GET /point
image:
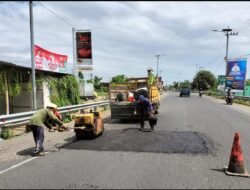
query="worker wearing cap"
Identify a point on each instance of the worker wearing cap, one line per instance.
(144, 109)
(40, 120)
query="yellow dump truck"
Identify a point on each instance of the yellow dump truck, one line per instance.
(123, 96)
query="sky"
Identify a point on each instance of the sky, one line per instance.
(127, 35)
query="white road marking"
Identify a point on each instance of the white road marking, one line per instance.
(17, 165)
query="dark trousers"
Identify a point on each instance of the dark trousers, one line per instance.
(143, 117)
(38, 134)
(142, 120)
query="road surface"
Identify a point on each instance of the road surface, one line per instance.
(188, 149)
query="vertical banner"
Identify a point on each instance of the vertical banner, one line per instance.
(48, 61)
(83, 50)
(221, 82)
(236, 74)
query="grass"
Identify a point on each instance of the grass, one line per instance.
(220, 95)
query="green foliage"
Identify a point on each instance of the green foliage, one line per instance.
(247, 83)
(119, 79)
(186, 83)
(14, 89)
(97, 83)
(67, 118)
(2, 82)
(90, 81)
(13, 83)
(64, 91)
(6, 133)
(205, 80)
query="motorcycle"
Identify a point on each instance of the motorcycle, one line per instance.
(200, 93)
(229, 99)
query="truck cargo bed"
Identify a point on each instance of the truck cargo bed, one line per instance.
(122, 110)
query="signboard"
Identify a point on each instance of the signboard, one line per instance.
(83, 50)
(48, 61)
(236, 74)
(221, 82)
(221, 79)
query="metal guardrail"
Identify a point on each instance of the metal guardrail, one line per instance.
(243, 97)
(23, 118)
(235, 96)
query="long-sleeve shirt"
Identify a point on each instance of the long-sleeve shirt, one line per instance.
(144, 107)
(42, 116)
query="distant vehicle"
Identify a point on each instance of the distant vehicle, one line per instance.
(229, 99)
(185, 91)
(87, 91)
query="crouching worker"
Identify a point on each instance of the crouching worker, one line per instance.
(144, 109)
(53, 122)
(39, 121)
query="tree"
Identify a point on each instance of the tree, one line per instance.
(205, 80)
(247, 82)
(186, 83)
(175, 84)
(119, 78)
(97, 82)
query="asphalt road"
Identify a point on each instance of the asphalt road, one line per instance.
(188, 149)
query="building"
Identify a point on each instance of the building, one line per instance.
(19, 78)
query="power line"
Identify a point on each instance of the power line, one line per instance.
(217, 69)
(56, 15)
(240, 16)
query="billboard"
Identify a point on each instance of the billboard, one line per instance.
(48, 61)
(83, 50)
(236, 74)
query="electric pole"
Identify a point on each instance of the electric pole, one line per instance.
(32, 57)
(228, 32)
(158, 56)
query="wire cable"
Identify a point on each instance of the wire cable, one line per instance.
(56, 15)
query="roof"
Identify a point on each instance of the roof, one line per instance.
(4, 64)
(8, 64)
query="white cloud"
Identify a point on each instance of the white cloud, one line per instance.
(126, 36)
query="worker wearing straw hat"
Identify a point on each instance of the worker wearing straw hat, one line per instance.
(40, 120)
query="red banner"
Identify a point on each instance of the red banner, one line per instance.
(48, 61)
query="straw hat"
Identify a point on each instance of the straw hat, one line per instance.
(51, 105)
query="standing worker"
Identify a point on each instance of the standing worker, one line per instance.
(38, 121)
(144, 109)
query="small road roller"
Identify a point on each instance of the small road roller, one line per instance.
(88, 125)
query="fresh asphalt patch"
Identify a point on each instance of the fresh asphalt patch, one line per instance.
(134, 140)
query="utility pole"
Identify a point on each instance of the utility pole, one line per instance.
(74, 52)
(32, 57)
(227, 31)
(158, 56)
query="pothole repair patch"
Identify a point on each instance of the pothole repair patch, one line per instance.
(156, 141)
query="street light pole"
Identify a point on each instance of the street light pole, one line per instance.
(158, 56)
(32, 57)
(227, 31)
